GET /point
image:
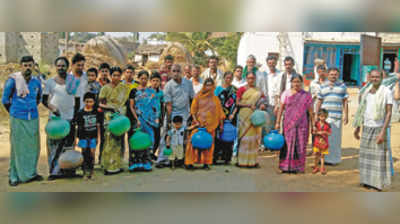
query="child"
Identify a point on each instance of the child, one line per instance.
(321, 143)
(88, 120)
(93, 85)
(155, 81)
(175, 140)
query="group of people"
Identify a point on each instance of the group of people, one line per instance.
(169, 104)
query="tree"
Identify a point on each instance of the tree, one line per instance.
(197, 43)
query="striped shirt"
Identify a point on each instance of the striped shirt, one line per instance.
(332, 98)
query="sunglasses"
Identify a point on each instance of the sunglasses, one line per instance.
(176, 70)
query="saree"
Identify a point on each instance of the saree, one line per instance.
(207, 108)
(147, 107)
(295, 130)
(227, 96)
(25, 149)
(248, 134)
(111, 154)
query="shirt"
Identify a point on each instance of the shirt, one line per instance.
(23, 108)
(197, 88)
(274, 82)
(59, 97)
(369, 111)
(179, 95)
(218, 79)
(87, 123)
(238, 84)
(177, 136)
(82, 89)
(332, 99)
(315, 88)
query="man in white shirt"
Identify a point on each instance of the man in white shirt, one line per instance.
(213, 72)
(374, 114)
(274, 77)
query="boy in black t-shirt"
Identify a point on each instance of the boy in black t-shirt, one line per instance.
(88, 120)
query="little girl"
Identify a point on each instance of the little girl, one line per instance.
(322, 130)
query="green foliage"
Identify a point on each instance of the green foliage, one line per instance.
(198, 43)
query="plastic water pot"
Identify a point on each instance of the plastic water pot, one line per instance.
(57, 128)
(274, 140)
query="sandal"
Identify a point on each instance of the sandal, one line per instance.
(323, 171)
(316, 170)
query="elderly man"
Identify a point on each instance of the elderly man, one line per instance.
(315, 86)
(213, 72)
(21, 96)
(333, 97)
(178, 95)
(374, 114)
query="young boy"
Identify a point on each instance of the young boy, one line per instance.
(175, 141)
(93, 85)
(88, 120)
(155, 81)
(322, 130)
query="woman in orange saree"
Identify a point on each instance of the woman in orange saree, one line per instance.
(207, 112)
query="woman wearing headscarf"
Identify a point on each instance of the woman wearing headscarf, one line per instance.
(207, 112)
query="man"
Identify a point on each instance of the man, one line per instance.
(261, 80)
(274, 77)
(334, 98)
(287, 75)
(187, 72)
(315, 86)
(78, 65)
(59, 97)
(104, 74)
(374, 113)
(129, 78)
(212, 71)
(21, 97)
(168, 61)
(178, 96)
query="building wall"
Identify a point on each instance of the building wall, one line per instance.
(14, 45)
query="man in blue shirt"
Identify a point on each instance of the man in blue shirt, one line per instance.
(21, 96)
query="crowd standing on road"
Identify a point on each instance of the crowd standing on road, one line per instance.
(170, 104)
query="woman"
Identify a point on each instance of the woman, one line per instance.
(296, 104)
(249, 98)
(227, 95)
(207, 112)
(145, 108)
(238, 81)
(112, 99)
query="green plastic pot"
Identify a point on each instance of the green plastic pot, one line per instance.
(140, 140)
(57, 128)
(167, 151)
(119, 124)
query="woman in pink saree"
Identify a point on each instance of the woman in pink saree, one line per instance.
(295, 103)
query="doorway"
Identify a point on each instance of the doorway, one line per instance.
(350, 69)
(389, 57)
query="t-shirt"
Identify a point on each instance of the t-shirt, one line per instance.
(332, 99)
(177, 136)
(59, 97)
(82, 89)
(369, 111)
(87, 123)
